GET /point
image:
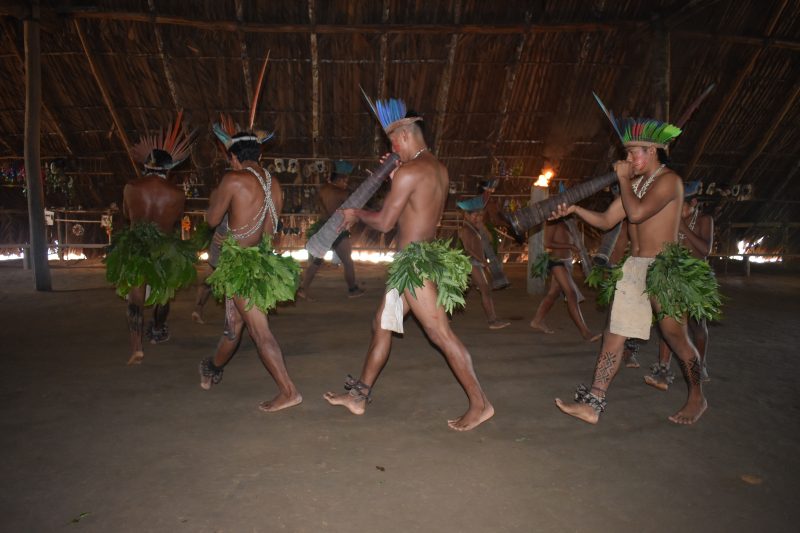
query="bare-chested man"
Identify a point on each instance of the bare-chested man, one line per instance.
(415, 204)
(153, 205)
(558, 243)
(652, 205)
(252, 201)
(472, 235)
(331, 196)
(696, 232)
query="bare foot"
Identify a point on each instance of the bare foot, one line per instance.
(472, 418)
(581, 411)
(541, 326)
(499, 324)
(197, 318)
(136, 358)
(690, 412)
(632, 362)
(588, 337)
(280, 402)
(658, 382)
(302, 294)
(353, 403)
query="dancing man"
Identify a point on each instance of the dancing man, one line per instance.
(331, 196)
(426, 277)
(557, 261)
(474, 236)
(659, 275)
(249, 275)
(696, 232)
(147, 261)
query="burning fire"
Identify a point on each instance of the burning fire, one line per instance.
(544, 179)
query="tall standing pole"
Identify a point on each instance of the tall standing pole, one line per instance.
(536, 243)
(33, 164)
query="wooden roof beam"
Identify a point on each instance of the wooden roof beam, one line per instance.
(164, 59)
(106, 96)
(732, 93)
(767, 137)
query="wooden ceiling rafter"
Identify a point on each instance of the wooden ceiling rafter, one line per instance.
(732, 93)
(106, 96)
(312, 18)
(248, 80)
(164, 59)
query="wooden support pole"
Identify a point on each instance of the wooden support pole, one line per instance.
(33, 164)
(444, 88)
(314, 82)
(52, 118)
(106, 97)
(248, 81)
(732, 93)
(383, 68)
(661, 71)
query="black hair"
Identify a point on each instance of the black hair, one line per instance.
(420, 123)
(245, 150)
(159, 159)
(663, 158)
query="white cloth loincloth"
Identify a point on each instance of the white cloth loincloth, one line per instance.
(631, 312)
(392, 315)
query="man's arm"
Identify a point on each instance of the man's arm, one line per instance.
(219, 201)
(604, 221)
(403, 184)
(701, 239)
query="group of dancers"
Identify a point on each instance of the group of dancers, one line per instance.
(661, 277)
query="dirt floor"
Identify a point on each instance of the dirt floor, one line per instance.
(90, 444)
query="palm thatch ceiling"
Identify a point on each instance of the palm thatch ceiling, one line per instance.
(503, 84)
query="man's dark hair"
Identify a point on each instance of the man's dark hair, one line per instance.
(663, 158)
(420, 123)
(245, 150)
(159, 159)
(336, 176)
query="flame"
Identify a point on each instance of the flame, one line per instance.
(544, 179)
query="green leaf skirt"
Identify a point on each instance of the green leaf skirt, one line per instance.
(448, 268)
(144, 255)
(256, 274)
(541, 265)
(680, 283)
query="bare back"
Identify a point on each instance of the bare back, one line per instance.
(153, 199)
(241, 196)
(330, 198)
(428, 182)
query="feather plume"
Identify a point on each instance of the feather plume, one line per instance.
(609, 115)
(694, 106)
(254, 103)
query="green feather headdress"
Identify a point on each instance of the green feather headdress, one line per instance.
(641, 131)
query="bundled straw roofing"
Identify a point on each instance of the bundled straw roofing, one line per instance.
(496, 81)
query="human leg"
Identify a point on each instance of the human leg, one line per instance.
(676, 335)
(135, 318)
(545, 305)
(344, 249)
(436, 325)
(158, 330)
(203, 293)
(564, 279)
(478, 277)
(211, 367)
(591, 402)
(271, 357)
(660, 375)
(698, 332)
(377, 355)
(314, 264)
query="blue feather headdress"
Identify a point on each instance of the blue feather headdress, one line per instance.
(390, 113)
(473, 204)
(640, 131)
(692, 188)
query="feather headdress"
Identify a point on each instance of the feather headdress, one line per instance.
(390, 113)
(174, 141)
(641, 131)
(473, 204)
(692, 188)
(229, 132)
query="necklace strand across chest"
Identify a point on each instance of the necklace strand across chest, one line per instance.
(646, 185)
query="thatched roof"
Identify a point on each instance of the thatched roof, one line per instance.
(506, 81)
